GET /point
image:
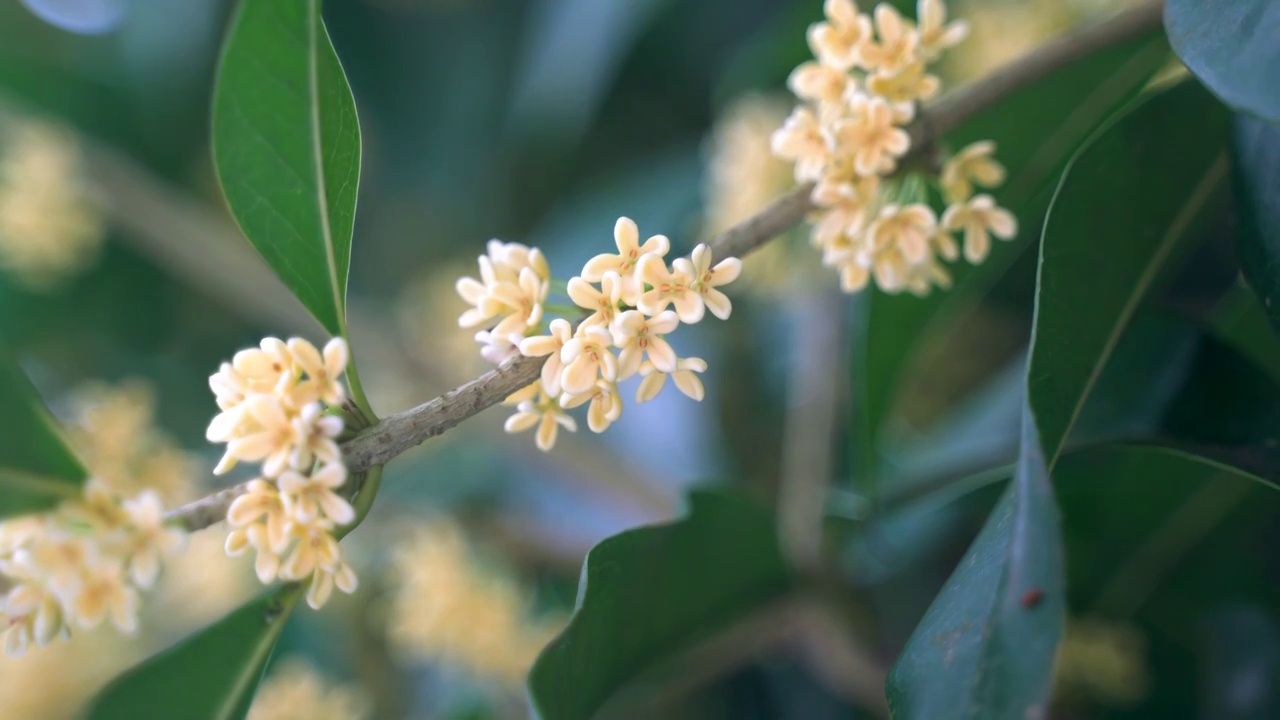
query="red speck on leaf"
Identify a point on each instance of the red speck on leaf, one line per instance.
(1032, 597)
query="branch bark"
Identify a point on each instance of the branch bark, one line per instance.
(398, 433)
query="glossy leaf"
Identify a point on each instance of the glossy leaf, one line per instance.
(648, 593)
(1126, 208)
(1257, 172)
(286, 146)
(1231, 47)
(1036, 131)
(985, 648)
(37, 468)
(211, 675)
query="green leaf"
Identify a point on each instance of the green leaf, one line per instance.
(985, 647)
(1037, 130)
(1128, 205)
(651, 592)
(37, 467)
(1257, 173)
(286, 146)
(1231, 47)
(211, 675)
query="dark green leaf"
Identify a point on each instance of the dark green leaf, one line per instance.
(1232, 47)
(1257, 174)
(651, 592)
(212, 674)
(985, 648)
(286, 145)
(1036, 130)
(1126, 208)
(37, 469)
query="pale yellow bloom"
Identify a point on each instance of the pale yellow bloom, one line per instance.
(626, 236)
(105, 592)
(904, 88)
(980, 218)
(669, 287)
(149, 539)
(324, 579)
(684, 376)
(314, 547)
(545, 413)
(269, 368)
(801, 140)
(871, 137)
(1103, 663)
(513, 285)
(638, 336)
(316, 436)
(845, 208)
(972, 165)
(936, 35)
(908, 229)
(706, 278)
(307, 498)
(895, 44)
(33, 615)
(323, 370)
(602, 302)
(743, 175)
(821, 83)
(837, 41)
(293, 690)
(496, 348)
(606, 404)
(260, 506)
(587, 356)
(266, 433)
(550, 345)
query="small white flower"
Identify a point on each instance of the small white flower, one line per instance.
(602, 303)
(637, 336)
(802, 141)
(606, 405)
(821, 83)
(897, 42)
(268, 368)
(972, 165)
(150, 539)
(546, 414)
(307, 498)
(707, 278)
(550, 345)
(627, 238)
(935, 34)
(497, 349)
(323, 581)
(980, 218)
(270, 438)
(684, 376)
(323, 370)
(837, 41)
(316, 435)
(871, 137)
(669, 287)
(586, 357)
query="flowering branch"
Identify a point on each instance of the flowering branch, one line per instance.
(397, 433)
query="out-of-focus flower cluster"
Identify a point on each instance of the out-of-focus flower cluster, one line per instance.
(48, 229)
(294, 690)
(80, 564)
(632, 300)
(445, 610)
(847, 137)
(276, 405)
(1101, 663)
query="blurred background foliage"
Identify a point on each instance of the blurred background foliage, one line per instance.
(123, 284)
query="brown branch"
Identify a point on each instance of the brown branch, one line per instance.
(398, 433)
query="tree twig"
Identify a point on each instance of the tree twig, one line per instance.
(398, 433)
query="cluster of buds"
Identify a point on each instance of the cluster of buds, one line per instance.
(279, 407)
(847, 138)
(633, 298)
(80, 564)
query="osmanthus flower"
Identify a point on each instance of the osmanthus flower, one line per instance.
(324, 371)
(106, 592)
(261, 506)
(895, 45)
(837, 41)
(684, 376)
(550, 345)
(802, 140)
(268, 368)
(603, 303)
(706, 278)
(148, 539)
(845, 209)
(821, 83)
(871, 137)
(324, 579)
(586, 357)
(907, 229)
(513, 283)
(973, 165)
(605, 408)
(980, 218)
(936, 35)
(637, 336)
(904, 88)
(316, 435)
(669, 287)
(495, 348)
(266, 562)
(307, 498)
(266, 434)
(294, 689)
(626, 235)
(545, 413)
(314, 547)
(32, 614)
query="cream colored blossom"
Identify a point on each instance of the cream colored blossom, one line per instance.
(513, 285)
(105, 592)
(325, 579)
(550, 345)
(743, 175)
(685, 377)
(606, 404)
(845, 210)
(293, 690)
(801, 139)
(895, 45)
(307, 498)
(871, 137)
(669, 287)
(602, 302)
(33, 615)
(904, 88)
(149, 539)
(626, 236)
(266, 561)
(821, 83)
(323, 371)
(267, 434)
(837, 41)
(936, 35)
(706, 278)
(972, 165)
(315, 437)
(980, 218)
(586, 357)
(313, 547)
(546, 414)
(638, 336)
(495, 348)
(258, 518)
(908, 229)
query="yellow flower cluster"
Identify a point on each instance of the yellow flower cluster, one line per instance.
(847, 138)
(444, 610)
(627, 296)
(273, 400)
(295, 691)
(79, 564)
(48, 231)
(1102, 663)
